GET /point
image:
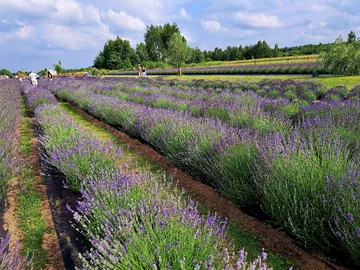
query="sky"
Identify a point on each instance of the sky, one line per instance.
(35, 34)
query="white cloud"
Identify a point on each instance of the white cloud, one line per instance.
(319, 8)
(123, 20)
(25, 32)
(317, 24)
(67, 38)
(152, 10)
(312, 37)
(101, 32)
(183, 13)
(71, 10)
(259, 20)
(214, 26)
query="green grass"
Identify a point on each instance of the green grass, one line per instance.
(244, 239)
(329, 81)
(240, 237)
(104, 135)
(31, 221)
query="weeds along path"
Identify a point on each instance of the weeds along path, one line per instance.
(270, 239)
(34, 212)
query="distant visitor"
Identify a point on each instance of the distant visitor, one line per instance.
(32, 77)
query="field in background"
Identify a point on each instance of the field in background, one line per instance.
(273, 60)
(329, 81)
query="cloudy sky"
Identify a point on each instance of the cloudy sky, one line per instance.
(35, 34)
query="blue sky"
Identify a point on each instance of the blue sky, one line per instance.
(35, 34)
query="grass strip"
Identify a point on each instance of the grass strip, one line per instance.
(31, 221)
(240, 237)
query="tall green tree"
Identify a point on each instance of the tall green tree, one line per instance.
(351, 37)
(141, 52)
(276, 51)
(99, 61)
(154, 43)
(157, 39)
(343, 58)
(116, 54)
(178, 51)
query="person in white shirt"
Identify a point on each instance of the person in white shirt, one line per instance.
(32, 77)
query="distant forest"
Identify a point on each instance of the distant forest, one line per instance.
(153, 52)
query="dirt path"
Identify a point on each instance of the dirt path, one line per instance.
(71, 242)
(271, 239)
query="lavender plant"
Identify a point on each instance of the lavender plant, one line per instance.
(342, 192)
(76, 155)
(136, 222)
(291, 178)
(10, 258)
(36, 96)
(10, 113)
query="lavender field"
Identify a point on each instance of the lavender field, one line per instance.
(277, 68)
(290, 147)
(131, 219)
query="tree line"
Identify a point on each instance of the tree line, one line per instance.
(154, 51)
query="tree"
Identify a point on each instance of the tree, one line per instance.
(99, 61)
(177, 51)
(195, 56)
(343, 58)
(157, 39)
(5, 72)
(58, 68)
(276, 51)
(154, 43)
(351, 37)
(116, 54)
(141, 52)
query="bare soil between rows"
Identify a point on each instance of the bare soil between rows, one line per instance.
(69, 240)
(270, 238)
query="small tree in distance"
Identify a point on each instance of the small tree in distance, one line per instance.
(58, 68)
(177, 51)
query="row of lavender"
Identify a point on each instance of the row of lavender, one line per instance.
(307, 180)
(133, 221)
(10, 117)
(284, 68)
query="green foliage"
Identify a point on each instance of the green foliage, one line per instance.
(157, 39)
(178, 51)
(116, 54)
(195, 56)
(141, 52)
(351, 37)
(58, 68)
(343, 58)
(5, 72)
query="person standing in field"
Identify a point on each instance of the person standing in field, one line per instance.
(144, 72)
(139, 70)
(50, 76)
(32, 77)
